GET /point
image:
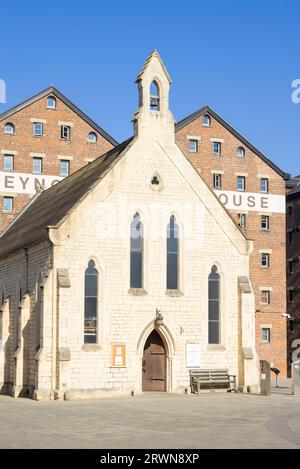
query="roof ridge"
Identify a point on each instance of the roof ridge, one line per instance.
(207, 109)
(51, 89)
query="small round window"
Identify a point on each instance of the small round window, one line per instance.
(240, 152)
(92, 137)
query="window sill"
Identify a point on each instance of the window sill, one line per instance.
(39, 136)
(90, 347)
(7, 212)
(137, 291)
(174, 293)
(215, 347)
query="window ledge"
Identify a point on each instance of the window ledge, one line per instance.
(90, 347)
(216, 347)
(174, 293)
(137, 291)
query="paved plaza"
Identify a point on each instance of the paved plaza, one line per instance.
(153, 420)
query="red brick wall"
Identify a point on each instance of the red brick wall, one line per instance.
(50, 144)
(275, 275)
(293, 278)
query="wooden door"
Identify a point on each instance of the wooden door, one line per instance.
(154, 364)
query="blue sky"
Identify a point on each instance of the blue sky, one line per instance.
(240, 57)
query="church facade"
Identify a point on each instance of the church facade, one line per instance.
(126, 274)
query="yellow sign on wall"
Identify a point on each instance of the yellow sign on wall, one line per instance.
(119, 355)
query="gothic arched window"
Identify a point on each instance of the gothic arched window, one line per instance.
(154, 96)
(172, 255)
(90, 303)
(214, 306)
(136, 252)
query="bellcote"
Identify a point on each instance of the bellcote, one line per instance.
(153, 117)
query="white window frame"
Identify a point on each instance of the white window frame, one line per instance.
(267, 219)
(268, 297)
(60, 167)
(209, 120)
(240, 154)
(65, 132)
(35, 159)
(242, 220)
(11, 199)
(11, 158)
(241, 178)
(217, 181)
(12, 127)
(266, 339)
(193, 141)
(219, 146)
(266, 189)
(53, 100)
(35, 133)
(265, 260)
(94, 137)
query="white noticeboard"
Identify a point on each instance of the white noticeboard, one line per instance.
(193, 355)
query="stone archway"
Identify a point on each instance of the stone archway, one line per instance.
(168, 345)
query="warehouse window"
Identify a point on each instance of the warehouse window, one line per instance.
(217, 148)
(206, 120)
(51, 102)
(64, 168)
(264, 185)
(92, 137)
(241, 220)
(8, 204)
(265, 222)
(65, 132)
(172, 254)
(37, 129)
(240, 152)
(214, 306)
(136, 252)
(266, 335)
(217, 181)
(193, 146)
(241, 183)
(9, 128)
(8, 162)
(90, 303)
(265, 259)
(265, 297)
(37, 165)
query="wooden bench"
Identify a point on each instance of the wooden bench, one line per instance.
(212, 380)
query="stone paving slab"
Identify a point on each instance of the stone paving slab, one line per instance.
(153, 420)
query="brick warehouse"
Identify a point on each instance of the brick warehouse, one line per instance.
(42, 140)
(197, 135)
(293, 267)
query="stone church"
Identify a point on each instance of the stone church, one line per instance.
(127, 274)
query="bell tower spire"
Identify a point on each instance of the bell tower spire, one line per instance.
(153, 117)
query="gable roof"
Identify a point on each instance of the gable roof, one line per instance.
(49, 207)
(154, 54)
(207, 110)
(293, 193)
(52, 90)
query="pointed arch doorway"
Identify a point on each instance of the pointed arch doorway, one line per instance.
(154, 364)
